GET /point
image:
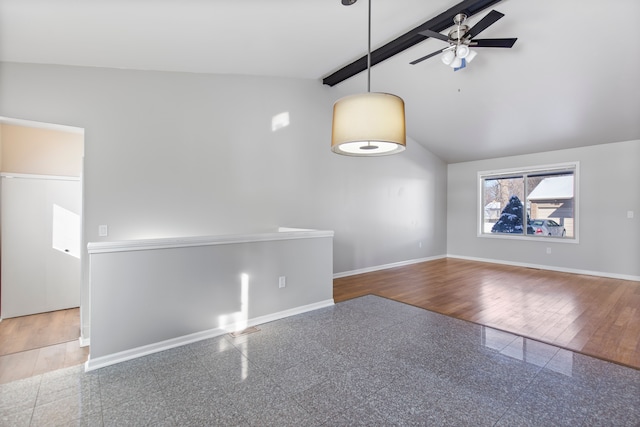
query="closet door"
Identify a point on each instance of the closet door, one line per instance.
(40, 244)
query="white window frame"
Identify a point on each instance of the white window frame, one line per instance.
(551, 168)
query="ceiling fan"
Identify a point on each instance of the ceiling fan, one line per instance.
(461, 39)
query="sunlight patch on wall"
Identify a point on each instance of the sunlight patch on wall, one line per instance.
(238, 321)
(66, 231)
(280, 121)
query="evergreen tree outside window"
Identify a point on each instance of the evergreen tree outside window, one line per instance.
(510, 220)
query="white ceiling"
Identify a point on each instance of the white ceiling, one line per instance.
(570, 80)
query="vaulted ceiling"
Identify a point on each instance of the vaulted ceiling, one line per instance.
(570, 80)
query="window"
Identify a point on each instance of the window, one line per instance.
(538, 202)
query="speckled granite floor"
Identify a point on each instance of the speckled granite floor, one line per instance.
(368, 361)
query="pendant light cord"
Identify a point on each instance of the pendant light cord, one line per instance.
(369, 53)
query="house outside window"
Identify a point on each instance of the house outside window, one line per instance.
(530, 203)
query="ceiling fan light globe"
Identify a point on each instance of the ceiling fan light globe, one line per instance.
(462, 51)
(456, 63)
(472, 54)
(448, 57)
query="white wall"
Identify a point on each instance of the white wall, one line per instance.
(609, 242)
(178, 154)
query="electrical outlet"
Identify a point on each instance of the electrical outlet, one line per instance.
(630, 214)
(548, 250)
(103, 230)
(282, 282)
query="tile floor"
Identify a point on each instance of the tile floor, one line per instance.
(368, 361)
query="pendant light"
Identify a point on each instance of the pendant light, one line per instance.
(371, 123)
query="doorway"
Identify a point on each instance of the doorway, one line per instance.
(41, 217)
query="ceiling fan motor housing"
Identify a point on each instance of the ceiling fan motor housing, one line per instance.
(458, 33)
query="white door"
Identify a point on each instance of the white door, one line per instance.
(40, 244)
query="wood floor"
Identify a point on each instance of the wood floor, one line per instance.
(596, 316)
(39, 343)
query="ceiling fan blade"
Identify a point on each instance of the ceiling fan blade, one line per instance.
(484, 23)
(429, 33)
(493, 42)
(427, 57)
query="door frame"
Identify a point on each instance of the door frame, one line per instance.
(84, 288)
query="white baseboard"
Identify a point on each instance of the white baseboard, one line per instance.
(492, 261)
(84, 342)
(112, 359)
(287, 313)
(386, 266)
(551, 268)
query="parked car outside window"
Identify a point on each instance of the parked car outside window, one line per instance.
(547, 227)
